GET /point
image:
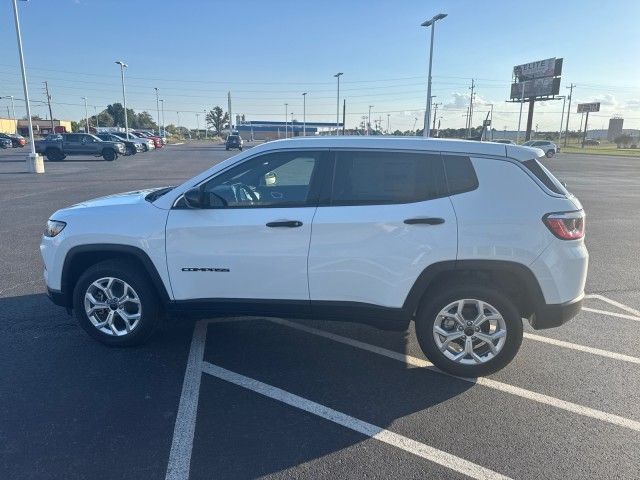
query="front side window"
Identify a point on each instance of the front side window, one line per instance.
(279, 179)
(375, 177)
(72, 138)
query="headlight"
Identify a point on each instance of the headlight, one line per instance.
(54, 227)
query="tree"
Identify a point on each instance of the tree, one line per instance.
(217, 119)
(622, 141)
(104, 119)
(145, 120)
(33, 117)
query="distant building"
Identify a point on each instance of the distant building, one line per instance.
(615, 128)
(43, 127)
(7, 125)
(270, 130)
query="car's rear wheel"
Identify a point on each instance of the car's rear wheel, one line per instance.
(550, 153)
(469, 330)
(109, 155)
(115, 304)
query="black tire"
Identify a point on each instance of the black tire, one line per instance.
(431, 307)
(240, 148)
(54, 155)
(109, 154)
(150, 310)
(227, 149)
(131, 150)
(550, 153)
(145, 147)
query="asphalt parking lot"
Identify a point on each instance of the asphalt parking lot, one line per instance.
(256, 397)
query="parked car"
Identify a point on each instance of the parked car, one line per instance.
(234, 141)
(131, 146)
(157, 141)
(147, 143)
(463, 238)
(5, 143)
(16, 140)
(591, 142)
(57, 147)
(549, 148)
(504, 140)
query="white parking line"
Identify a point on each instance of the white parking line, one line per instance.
(399, 441)
(182, 443)
(487, 382)
(615, 303)
(611, 314)
(582, 348)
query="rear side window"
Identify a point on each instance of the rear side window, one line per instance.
(376, 177)
(545, 176)
(461, 176)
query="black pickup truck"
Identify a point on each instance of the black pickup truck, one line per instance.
(57, 147)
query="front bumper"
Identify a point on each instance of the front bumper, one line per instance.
(554, 315)
(58, 297)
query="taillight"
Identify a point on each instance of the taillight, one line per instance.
(566, 225)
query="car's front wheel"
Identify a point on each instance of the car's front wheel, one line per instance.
(550, 153)
(115, 304)
(469, 330)
(131, 150)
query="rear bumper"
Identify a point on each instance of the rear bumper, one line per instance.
(554, 315)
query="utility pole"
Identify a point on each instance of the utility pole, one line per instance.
(344, 114)
(230, 113)
(566, 130)
(338, 75)
(369, 121)
(157, 108)
(286, 119)
(197, 125)
(46, 89)
(86, 114)
(205, 123)
(473, 86)
(435, 114)
(164, 134)
(564, 100)
(520, 116)
(388, 117)
(304, 114)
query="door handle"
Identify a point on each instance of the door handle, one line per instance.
(285, 223)
(424, 221)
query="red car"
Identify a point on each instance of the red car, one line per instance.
(157, 141)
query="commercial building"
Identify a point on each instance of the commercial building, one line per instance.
(43, 127)
(7, 125)
(270, 130)
(615, 128)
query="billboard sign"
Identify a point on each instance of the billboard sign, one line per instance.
(589, 107)
(539, 69)
(538, 87)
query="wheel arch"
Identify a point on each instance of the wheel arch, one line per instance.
(515, 279)
(81, 257)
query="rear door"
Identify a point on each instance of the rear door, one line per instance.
(387, 218)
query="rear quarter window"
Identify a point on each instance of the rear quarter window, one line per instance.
(545, 176)
(460, 174)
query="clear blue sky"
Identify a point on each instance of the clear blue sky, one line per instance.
(269, 52)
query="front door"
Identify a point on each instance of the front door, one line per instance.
(254, 244)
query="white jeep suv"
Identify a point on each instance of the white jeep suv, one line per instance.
(464, 238)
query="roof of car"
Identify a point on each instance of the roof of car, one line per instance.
(407, 143)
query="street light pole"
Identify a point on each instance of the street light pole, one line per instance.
(124, 97)
(86, 114)
(179, 129)
(369, 121)
(304, 114)
(197, 125)
(338, 75)
(427, 114)
(388, 116)
(205, 124)
(33, 163)
(164, 133)
(157, 109)
(286, 118)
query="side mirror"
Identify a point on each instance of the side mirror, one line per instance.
(197, 198)
(194, 198)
